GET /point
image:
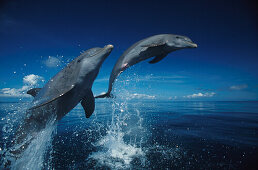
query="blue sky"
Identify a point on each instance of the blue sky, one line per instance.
(37, 39)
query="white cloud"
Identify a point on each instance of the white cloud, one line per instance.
(198, 95)
(163, 79)
(29, 81)
(238, 87)
(12, 92)
(151, 78)
(32, 79)
(52, 62)
(141, 96)
(172, 98)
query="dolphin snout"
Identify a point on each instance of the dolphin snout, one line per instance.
(109, 46)
(194, 45)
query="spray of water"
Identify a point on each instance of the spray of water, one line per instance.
(13, 115)
(34, 156)
(121, 147)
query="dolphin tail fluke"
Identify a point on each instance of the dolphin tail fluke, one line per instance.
(106, 95)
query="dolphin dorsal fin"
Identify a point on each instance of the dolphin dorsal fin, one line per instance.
(157, 58)
(88, 103)
(34, 92)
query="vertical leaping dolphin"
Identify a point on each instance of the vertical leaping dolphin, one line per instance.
(157, 45)
(60, 95)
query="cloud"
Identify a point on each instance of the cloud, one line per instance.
(162, 79)
(32, 79)
(12, 92)
(141, 96)
(52, 62)
(152, 78)
(172, 98)
(198, 95)
(238, 87)
(29, 81)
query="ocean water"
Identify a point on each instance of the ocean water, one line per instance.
(140, 134)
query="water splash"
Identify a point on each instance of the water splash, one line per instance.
(9, 123)
(35, 155)
(122, 144)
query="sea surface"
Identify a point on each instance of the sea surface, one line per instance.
(141, 134)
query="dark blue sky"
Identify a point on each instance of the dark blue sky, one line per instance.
(223, 67)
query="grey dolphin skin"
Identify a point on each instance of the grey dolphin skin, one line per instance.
(61, 94)
(158, 45)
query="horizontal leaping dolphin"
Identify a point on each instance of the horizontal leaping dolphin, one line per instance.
(61, 94)
(157, 45)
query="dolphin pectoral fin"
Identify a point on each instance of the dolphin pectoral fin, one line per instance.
(155, 44)
(157, 58)
(33, 92)
(106, 95)
(88, 104)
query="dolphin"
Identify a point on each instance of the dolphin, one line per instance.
(158, 45)
(60, 95)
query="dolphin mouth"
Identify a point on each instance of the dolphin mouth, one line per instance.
(193, 45)
(109, 46)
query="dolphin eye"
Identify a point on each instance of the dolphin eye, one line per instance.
(177, 37)
(78, 60)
